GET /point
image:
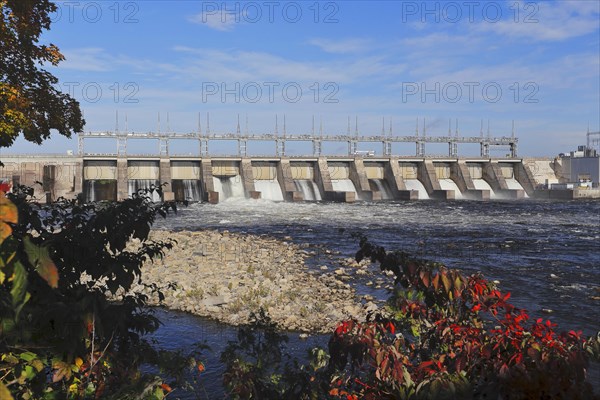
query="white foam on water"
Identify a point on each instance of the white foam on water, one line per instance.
(415, 184)
(343, 185)
(481, 184)
(449, 184)
(513, 184)
(382, 188)
(269, 190)
(310, 190)
(191, 189)
(229, 187)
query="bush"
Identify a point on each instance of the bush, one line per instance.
(69, 325)
(442, 335)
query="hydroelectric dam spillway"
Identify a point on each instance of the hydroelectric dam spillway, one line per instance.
(358, 176)
(332, 178)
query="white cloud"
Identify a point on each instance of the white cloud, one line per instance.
(548, 21)
(340, 46)
(220, 20)
(90, 59)
(249, 66)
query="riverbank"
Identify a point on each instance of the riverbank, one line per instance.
(227, 276)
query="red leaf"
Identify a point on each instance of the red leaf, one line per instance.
(503, 371)
(391, 328)
(166, 387)
(460, 363)
(425, 278)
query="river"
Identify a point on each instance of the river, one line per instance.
(547, 254)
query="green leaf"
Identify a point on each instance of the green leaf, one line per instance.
(446, 282)
(19, 288)
(8, 251)
(40, 258)
(415, 330)
(28, 356)
(29, 372)
(158, 394)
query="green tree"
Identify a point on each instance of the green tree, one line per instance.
(29, 101)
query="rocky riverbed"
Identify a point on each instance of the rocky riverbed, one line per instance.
(227, 276)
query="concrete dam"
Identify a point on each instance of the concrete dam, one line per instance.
(357, 176)
(338, 179)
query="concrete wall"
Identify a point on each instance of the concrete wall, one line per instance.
(225, 168)
(544, 171)
(302, 170)
(99, 169)
(185, 170)
(58, 180)
(143, 170)
(264, 170)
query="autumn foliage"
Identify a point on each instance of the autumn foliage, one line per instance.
(445, 335)
(30, 102)
(442, 335)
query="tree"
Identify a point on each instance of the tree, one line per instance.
(70, 326)
(29, 101)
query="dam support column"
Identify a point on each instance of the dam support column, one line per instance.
(165, 177)
(459, 173)
(286, 181)
(122, 179)
(525, 177)
(492, 173)
(78, 177)
(323, 179)
(426, 174)
(358, 176)
(248, 178)
(393, 177)
(208, 185)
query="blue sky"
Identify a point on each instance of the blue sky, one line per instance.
(537, 63)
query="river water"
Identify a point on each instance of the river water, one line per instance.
(547, 254)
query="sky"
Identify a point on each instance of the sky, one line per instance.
(471, 62)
